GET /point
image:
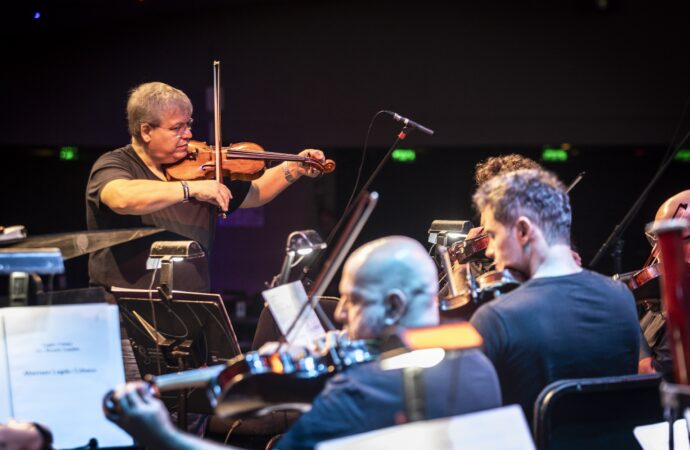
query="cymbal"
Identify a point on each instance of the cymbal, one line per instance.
(83, 242)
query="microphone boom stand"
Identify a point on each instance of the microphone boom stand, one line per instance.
(614, 240)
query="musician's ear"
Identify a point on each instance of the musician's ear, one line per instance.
(523, 230)
(145, 132)
(395, 304)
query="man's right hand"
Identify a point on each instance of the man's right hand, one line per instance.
(210, 191)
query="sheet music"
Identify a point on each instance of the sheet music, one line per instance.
(5, 393)
(285, 303)
(502, 428)
(62, 360)
(655, 436)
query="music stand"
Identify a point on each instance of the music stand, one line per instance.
(190, 331)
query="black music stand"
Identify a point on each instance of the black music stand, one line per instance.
(190, 331)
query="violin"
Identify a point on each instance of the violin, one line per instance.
(472, 248)
(257, 383)
(480, 290)
(240, 161)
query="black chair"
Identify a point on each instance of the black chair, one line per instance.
(596, 413)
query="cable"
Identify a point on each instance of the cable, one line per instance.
(155, 323)
(359, 176)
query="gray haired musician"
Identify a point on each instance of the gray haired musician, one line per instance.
(128, 188)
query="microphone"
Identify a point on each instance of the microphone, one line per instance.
(409, 123)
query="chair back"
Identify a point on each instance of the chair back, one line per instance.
(596, 413)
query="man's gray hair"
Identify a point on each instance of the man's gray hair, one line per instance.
(149, 101)
(534, 193)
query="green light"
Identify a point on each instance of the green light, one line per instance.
(554, 155)
(68, 153)
(683, 156)
(404, 155)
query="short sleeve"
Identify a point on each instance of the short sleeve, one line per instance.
(239, 190)
(105, 170)
(488, 323)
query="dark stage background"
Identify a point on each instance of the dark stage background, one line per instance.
(609, 78)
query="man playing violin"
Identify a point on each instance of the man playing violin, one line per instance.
(128, 188)
(387, 284)
(655, 353)
(565, 321)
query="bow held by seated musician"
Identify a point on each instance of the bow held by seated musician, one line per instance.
(386, 284)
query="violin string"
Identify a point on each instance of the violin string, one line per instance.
(248, 154)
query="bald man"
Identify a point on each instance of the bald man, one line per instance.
(655, 353)
(387, 284)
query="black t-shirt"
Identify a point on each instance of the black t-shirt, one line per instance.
(573, 326)
(366, 397)
(124, 265)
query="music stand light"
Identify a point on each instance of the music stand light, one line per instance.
(446, 232)
(164, 253)
(301, 243)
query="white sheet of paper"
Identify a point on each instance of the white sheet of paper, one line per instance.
(5, 393)
(285, 302)
(62, 361)
(500, 429)
(655, 436)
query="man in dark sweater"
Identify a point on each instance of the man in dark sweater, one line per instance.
(564, 322)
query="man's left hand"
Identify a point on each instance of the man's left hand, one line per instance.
(306, 169)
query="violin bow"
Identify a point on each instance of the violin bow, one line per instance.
(216, 124)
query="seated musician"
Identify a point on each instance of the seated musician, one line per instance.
(655, 353)
(386, 284)
(565, 321)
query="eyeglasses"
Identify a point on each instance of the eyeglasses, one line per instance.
(652, 238)
(180, 129)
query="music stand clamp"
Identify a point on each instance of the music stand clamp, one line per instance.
(163, 254)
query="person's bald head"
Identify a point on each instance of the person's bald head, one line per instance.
(388, 282)
(675, 207)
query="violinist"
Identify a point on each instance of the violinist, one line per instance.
(128, 188)
(655, 354)
(386, 285)
(474, 246)
(564, 321)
